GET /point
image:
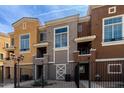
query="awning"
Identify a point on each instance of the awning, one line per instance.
(45, 44)
(85, 39)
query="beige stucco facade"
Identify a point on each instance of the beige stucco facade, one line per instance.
(4, 38)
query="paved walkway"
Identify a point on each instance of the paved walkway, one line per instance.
(61, 84)
(85, 83)
(51, 84)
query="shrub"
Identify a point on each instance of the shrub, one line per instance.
(39, 83)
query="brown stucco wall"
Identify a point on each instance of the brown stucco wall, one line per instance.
(113, 51)
(86, 29)
(72, 34)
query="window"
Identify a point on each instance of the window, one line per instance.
(82, 69)
(24, 26)
(24, 42)
(112, 10)
(1, 56)
(114, 68)
(42, 36)
(113, 29)
(6, 45)
(79, 27)
(61, 37)
(12, 42)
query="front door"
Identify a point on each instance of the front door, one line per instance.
(84, 71)
(7, 72)
(60, 71)
(39, 71)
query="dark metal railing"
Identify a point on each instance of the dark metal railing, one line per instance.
(113, 39)
(84, 51)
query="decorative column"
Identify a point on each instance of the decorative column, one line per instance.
(92, 64)
(45, 67)
(75, 56)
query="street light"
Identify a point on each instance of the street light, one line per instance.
(16, 60)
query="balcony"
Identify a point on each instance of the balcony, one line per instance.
(10, 49)
(40, 60)
(81, 57)
(87, 57)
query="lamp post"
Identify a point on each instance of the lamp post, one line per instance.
(17, 60)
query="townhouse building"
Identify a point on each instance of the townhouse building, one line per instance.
(4, 43)
(59, 45)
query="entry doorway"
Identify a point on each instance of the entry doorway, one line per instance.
(39, 71)
(84, 71)
(7, 72)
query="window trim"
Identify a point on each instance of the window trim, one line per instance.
(108, 68)
(3, 57)
(24, 25)
(45, 37)
(109, 10)
(61, 48)
(112, 42)
(8, 44)
(28, 51)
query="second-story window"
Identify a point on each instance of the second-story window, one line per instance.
(6, 45)
(61, 37)
(1, 56)
(79, 27)
(12, 42)
(42, 36)
(113, 29)
(24, 42)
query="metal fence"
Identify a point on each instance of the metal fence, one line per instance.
(108, 74)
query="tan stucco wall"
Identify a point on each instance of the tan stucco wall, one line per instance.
(3, 40)
(31, 28)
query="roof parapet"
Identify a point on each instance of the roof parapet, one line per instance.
(63, 20)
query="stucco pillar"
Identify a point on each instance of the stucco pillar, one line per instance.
(75, 56)
(92, 64)
(45, 67)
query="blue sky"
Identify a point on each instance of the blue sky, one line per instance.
(10, 14)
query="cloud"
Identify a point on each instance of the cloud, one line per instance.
(5, 28)
(61, 11)
(10, 14)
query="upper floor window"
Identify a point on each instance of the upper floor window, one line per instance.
(24, 42)
(61, 37)
(112, 10)
(12, 42)
(1, 56)
(113, 29)
(42, 36)
(79, 27)
(6, 45)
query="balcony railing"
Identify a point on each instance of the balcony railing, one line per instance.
(10, 48)
(40, 60)
(86, 51)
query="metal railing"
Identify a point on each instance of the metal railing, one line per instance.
(113, 39)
